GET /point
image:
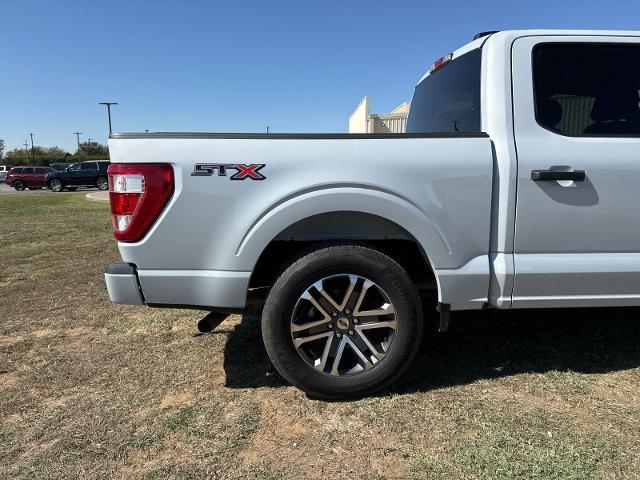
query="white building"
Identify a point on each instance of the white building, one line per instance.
(363, 121)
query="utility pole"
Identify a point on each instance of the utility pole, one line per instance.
(108, 105)
(267, 129)
(33, 155)
(26, 154)
(89, 142)
(77, 134)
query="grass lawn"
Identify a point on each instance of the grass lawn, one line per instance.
(94, 390)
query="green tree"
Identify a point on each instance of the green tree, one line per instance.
(91, 151)
(17, 156)
(37, 156)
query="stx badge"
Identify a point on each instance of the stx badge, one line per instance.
(243, 171)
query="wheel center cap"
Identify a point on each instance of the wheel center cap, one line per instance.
(343, 323)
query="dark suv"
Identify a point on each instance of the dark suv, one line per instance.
(27, 177)
(84, 174)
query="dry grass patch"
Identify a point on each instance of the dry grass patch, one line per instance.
(93, 390)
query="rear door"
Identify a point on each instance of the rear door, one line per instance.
(28, 176)
(577, 131)
(88, 173)
(38, 176)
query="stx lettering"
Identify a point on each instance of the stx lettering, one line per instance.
(243, 171)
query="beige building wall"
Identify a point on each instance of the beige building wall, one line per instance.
(359, 119)
(363, 121)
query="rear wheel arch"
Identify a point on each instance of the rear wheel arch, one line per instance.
(336, 227)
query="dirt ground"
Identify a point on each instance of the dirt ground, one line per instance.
(93, 390)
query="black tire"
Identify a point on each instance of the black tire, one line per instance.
(102, 183)
(323, 263)
(55, 185)
(18, 185)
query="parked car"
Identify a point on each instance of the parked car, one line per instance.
(513, 187)
(3, 173)
(32, 178)
(84, 174)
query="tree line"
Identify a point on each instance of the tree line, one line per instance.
(48, 155)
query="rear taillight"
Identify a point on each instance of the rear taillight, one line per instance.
(138, 192)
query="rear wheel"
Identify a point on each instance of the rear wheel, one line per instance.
(343, 321)
(102, 183)
(55, 185)
(18, 185)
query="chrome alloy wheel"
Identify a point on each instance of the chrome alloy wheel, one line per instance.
(102, 184)
(343, 325)
(55, 185)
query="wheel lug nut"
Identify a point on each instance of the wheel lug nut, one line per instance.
(355, 320)
(330, 326)
(350, 332)
(338, 334)
(334, 314)
(347, 311)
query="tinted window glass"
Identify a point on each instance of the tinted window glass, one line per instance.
(103, 165)
(75, 167)
(40, 171)
(28, 170)
(587, 89)
(448, 100)
(16, 170)
(88, 166)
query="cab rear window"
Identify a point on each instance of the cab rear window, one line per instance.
(448, 100)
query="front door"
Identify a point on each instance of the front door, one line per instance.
(577, 131)
(73, 175)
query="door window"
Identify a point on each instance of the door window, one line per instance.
(88, 166)
(587, 89)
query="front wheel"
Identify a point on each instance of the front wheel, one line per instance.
(55, 185)
(343, 321)
(18, 185)
(102, 183)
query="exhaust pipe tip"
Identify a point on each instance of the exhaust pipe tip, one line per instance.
(211, 321)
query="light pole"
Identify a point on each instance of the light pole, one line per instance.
(33, 156)
(77, 134)
(108, 105)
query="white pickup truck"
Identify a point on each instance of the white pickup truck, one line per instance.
(515, 186)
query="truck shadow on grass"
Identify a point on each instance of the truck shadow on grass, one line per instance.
(480, 345)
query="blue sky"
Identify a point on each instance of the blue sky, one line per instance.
(238, 65)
